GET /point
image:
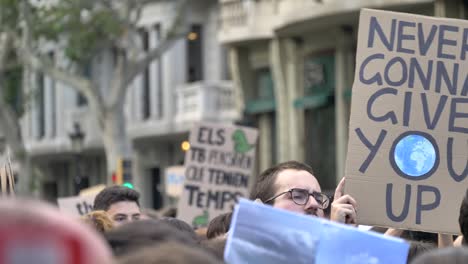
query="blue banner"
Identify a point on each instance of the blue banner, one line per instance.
(263, 234)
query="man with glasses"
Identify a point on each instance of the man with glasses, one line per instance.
(292, 186)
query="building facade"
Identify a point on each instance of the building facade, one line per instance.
(188, 84)
(293, 64)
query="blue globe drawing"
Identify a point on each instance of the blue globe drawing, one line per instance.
(415, 155)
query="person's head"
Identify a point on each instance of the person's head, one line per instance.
(135, 235)
(120, 203)
(463, 218)
(99, 220)
(50, 235)
(215, 246)
(169, 253)
(169, 212)
(148, 213)
(219, 225)
(443, 256)
(418, 248)
(181, 226)
(291, 186)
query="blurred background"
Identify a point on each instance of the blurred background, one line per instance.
(106, 91)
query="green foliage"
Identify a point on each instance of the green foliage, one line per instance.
(9, 13)
(86, 27)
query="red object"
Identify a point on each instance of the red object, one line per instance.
(114, 177)
(40, 245)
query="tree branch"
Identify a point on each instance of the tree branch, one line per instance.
(177, 30)
(5, 44)
(8, 118)
(118, 89)
(45, 65)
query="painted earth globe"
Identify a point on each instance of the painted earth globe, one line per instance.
(415, 155)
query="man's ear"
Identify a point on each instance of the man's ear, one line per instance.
(258, 201)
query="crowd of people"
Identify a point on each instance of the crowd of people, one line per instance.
(119, 231)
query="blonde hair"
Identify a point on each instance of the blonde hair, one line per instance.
(99, 220)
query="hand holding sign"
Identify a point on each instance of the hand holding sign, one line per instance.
(343, 208)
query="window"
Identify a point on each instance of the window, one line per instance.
(264, 84)
(40, 106)
(146, 88)
(263, 99)
(194, 54)
(52, 102)
(87, 73)
(159, 74)
(319, 80)
(319, 105)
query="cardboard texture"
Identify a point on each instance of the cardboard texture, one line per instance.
(76, 206)
(175, 177)
(407, 159)
(218, 170)
(7, 180)
(263, 234)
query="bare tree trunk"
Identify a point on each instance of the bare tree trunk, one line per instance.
(11, 132)
(116, 142)
(10, 126)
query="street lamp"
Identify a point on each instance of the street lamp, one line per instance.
(77, 139)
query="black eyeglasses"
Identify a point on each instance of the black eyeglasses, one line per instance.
(301, 197)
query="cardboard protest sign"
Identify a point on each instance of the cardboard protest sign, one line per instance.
(76, 205)
(263, 234)
(7, 180)
(175, 177)
(218, 167)
(407, 159)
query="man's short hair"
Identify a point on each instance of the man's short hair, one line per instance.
(264, 188)
(418, 248)
(169, 253)
(180, 225)
(138, 234)
(215, 246)
(219, 225)
(463, 218)
(443, 256)
(115, 194)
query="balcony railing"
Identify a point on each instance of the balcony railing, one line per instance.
(248, 18)
(60, 142)
(206, 101)
(255, 19)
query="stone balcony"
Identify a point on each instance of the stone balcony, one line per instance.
(194, 102)
(247, 20)
(205, 101)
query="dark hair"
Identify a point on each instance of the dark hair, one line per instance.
(450, 255)
(418, 248)
(463, 218)
(138, 234)
(420, 236)
(168, 212)
(215, 246)
(181, 226)
(169, 253)
(264, 188)
(115, 194)
(219, 225)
